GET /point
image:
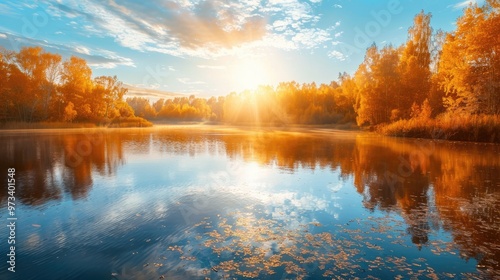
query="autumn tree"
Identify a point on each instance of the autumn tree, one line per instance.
(436, 92)
(36, 86)
(6, 106)
(377, 80)
(142, 107)
(216, 106)
(28, 82)
(77, 86)
(349, 92)
(42, 69)
(17, 94)
(469, 68)
(414, 66)
(158, 104)
(108, 91)
(69, 112)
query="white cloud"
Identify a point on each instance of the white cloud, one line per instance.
(100, 58)
(11, 8)
(95, 57)
(337, 6)
(3, 35)
(337, 55)
(281, 25)
(466, 3)
(82, 50)
(197, 28)
(311, 37)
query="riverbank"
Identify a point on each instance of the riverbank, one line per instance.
(484, 128)
(470, 128)
(116, 123)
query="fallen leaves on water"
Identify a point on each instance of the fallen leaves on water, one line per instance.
(243, 245)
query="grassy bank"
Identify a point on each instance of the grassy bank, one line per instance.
(130, 122)
(44, 125)
(118, 122)
(454, 127)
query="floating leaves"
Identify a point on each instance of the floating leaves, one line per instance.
(241, 245)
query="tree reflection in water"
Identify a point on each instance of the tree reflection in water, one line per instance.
(432, 185)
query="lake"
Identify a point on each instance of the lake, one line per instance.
(218, 202)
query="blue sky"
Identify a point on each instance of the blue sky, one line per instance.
(213, 47)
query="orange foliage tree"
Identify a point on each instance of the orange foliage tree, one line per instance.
(469, 68)
(36, 85)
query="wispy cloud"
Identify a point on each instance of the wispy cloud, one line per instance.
(311, 37)
(96, 57)
(337, 55)
(204, 28)
(466, 3)
(82, 50)
(12, 8)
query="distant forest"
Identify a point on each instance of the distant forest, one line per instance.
(437, 84)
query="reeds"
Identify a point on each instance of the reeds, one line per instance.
(448, 126)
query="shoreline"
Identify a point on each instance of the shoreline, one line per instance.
(207, 126)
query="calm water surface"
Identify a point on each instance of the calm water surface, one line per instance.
(179, 203)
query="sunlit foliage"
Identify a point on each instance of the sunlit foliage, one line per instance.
(413, 86)
(36, 85)
(469, 68)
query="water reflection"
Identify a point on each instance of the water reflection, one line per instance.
(454, 186)
(48, 166)
(213, 206)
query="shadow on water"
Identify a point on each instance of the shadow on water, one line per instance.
(435, 188)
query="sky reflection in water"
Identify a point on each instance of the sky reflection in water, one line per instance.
(177, 203)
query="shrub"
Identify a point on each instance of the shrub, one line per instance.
(130, 122)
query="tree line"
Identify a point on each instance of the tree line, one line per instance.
(36, 85)
(289, 102)
(433, 74)
(426, 82)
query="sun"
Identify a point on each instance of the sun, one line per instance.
(249, 74)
